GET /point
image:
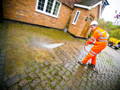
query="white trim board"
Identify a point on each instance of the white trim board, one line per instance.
(87, 7)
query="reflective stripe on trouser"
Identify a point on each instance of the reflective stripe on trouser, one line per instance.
(92, 54)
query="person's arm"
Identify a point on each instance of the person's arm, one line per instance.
(90, 41)
(93, 38)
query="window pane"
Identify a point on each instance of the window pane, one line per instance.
(41, 4)
(76, 17)
(57, 4)
(49, 6)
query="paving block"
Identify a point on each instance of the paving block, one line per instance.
(13, 80)
(23, 82)
(35, 82)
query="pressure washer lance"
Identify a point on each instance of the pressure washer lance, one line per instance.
(85, 48)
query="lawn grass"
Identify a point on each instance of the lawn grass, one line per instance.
(49, 32)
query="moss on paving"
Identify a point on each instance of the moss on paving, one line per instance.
(36, 30)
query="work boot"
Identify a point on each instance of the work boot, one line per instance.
(92, 66)
(79, 62)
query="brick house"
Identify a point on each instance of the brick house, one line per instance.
(72, 14)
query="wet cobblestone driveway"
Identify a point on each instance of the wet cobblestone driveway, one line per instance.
(67, 75)
(62, 72)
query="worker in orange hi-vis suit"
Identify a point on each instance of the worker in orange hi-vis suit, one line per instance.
(99, 39)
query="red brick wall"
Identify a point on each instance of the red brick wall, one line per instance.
(78, 27)
(95, 12)
(24, 10)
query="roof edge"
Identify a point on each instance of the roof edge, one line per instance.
(82, 6)
(88, 7)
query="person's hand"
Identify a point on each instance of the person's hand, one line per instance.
(86, 44)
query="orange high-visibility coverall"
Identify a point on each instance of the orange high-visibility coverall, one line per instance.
(99, 38)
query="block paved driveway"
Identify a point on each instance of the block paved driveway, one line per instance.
(52, 64)
(68, 75)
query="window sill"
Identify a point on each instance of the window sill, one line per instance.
(46, 13)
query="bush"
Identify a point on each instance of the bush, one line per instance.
(115, 33)
(113, 30)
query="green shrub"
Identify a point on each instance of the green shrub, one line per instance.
(113, 30)
(115, 33)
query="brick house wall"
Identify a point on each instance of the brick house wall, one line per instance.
(78, 28)
(24, 10)
(95, 12)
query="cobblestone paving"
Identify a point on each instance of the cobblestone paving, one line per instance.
(58, 72)
(67, 75)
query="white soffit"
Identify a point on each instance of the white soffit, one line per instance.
(88, 7)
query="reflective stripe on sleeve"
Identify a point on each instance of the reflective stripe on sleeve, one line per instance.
(103, 37)
(102, 41)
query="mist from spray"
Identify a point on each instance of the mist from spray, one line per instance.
(45, 44)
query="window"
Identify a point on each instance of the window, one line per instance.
(41, 4)
(48, 7)
(57, 5)
(76, 17)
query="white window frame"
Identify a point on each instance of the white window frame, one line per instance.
(45, 6)
(76, 17)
